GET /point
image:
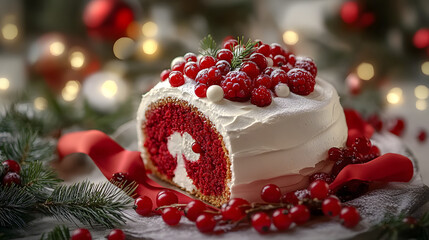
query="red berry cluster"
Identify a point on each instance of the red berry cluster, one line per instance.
(84, 234)
(10, 174)
(255, 79)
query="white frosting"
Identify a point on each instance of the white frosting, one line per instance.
(281, 139)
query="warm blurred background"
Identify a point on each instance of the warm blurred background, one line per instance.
(84, 64)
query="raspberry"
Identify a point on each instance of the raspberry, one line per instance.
(191, 70)
(279, 60)
(335, 154)
(209, 76)
(250, 68)
(286, 67)
(261, 96)
(176, 79)
(190, 57)
(230, 44)
(300, 81)
(164, 74)
(201, 90)
(264, 49)
(206, 62)
(262, 80)
(223, 66)
(259, 59)
(292, 59)
(237, 86)
(306, 64)
(362, 145)
(224, 54)
(278, 76)
(268, 71)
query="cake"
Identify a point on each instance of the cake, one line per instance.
(223, 125)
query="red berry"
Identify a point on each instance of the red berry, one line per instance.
(164, 74)
(421, 137)
(230, 44)
(331, 206)
(271, 193)
(259, 59)
(194, 209)
(223, 66)
(291, 59)
(250, 68)
(11, 177)
(261, 97)
(239, 202)
(191, 69)
(261, 222)
(237, 86)
(286, 67)
(264, 49)
(190, 57)
(166, 197)
(335, 154)
(279, 60)
(232, 212)
(171, 216)
(143, 205)
(278, 76)
(362, 145)
(120, 177)
(300, 214)
(262, 80)
(349, 216)
(206, 62)
(205, 223)
(290, 197)
(209, 76)
(319, 189)
(321, 176)
(116, 234)
(411, 221)
(81, 234)
(11, 166)
(276, 49)
(281, 219)
(306, 64)
(201, 90)
(224, 54)
(196, 147)
(302, 194)
(300, 81)
(179, 66)
(176, 79)
(398, 127)
(375, 122)
(339, 165)
(268, 71)
(375, 151)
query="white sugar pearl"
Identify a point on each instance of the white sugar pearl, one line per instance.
(282, 90)
(176, 60)
(270, 62)
(215, 93)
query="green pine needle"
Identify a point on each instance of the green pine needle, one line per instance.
(60, 232)
(241, 53)
(208, 46)
(15, 203)
(91, 204)
(36, 178)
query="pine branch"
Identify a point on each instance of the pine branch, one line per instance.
(395, 228)
(242, 52)
(208, 46)
(15, 204)
(60, 232)
(37, 178)
(91, 204)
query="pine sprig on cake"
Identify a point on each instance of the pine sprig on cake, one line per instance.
(60, 232)
(208, 46)
(241, 53)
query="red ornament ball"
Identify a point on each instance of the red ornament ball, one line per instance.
(421, 38)
(349, 12)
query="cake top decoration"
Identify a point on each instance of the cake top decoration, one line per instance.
(243, 71)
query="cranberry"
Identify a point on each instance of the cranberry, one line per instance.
(201, 90)
(171, 216)
(335, 154)
(143, 205)
(205, 223)
(11, 166)
(164, 74)
(166, 197)
(11, 178)
(349, 216)
(276, 49)
(225, 54)
(271, 193)
(230, 44)
(319, 189)
(239, 202)
(179, 66)
(176, 79)
(261, 222)
(331, 206)
(190, 57)
(81, 234)
(250, 68)
(290, 197)
(282, 219)
(421, 137)
(362, 145)
(259, 59)
(300, 214)
(206, 62)
(223, 66)
(264, 49)
(279, 60)
(261, 96)
(191, 69)
(231, 212)
(194, 209)
(116, 234)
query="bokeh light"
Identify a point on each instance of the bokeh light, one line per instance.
(290, 37)
(77, 59)
(150, 29)
(109, 89)
(70, 91)
(421, 92)
(394, 96)
(425, 68)
(365, 71)
(4, 83)
(9, 31)
(150, 46)
(40, 103)
(57, 48)
(421, 105)
(123, 47)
